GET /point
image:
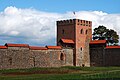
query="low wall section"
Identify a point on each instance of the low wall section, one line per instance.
(17, 57)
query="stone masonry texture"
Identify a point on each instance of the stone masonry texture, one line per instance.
(25, 58)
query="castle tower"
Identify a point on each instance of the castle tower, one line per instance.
(76, 33)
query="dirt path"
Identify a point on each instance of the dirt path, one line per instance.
(37, 72)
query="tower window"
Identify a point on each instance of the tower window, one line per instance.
(63, 31)
(84, 21)
(80, 21)
(86, 32)
(89, 22)
(81, 48)
(81, 31)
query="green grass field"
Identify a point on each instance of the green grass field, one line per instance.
(62, 73)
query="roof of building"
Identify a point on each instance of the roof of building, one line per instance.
(3, 47)
(16, 45)
(54, 47)
(37, 48)
(111, 47)
(70, 41)
(98, 42)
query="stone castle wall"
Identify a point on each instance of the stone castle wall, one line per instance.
(112, 57)
(78, 53)
(101, 56)
(96, 57)
(16, 57)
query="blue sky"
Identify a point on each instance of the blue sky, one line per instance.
(61, 6)
(34, 21)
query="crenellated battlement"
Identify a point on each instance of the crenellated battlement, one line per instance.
(84, 22)
(66, 22)
(73, 21)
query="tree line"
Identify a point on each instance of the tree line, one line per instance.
(110, 35)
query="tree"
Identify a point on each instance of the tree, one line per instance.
(102, 33)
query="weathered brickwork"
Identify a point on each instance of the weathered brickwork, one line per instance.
(86, 56)
(80, 31)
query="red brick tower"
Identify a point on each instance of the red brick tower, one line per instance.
(77, 34)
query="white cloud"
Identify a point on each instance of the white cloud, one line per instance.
(38, 27)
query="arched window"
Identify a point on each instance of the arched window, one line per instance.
(81, 48)
(10, 61)
(81, 31)
(61, 56)
(86, 32)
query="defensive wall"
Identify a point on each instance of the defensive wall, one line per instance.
(102, 55)
(25, 56)
(75, 47)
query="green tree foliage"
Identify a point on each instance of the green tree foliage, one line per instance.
(102, 33)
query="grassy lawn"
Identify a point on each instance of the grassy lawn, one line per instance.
(62, 73)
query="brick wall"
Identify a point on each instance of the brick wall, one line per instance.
(71, 29)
